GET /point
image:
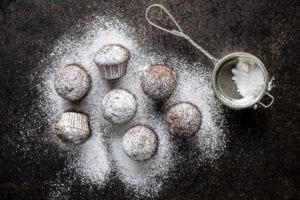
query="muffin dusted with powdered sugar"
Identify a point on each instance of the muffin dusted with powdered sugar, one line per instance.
(183, 120)
(159, 82)
(112, 60)
(140, 143)
(119, 106)
(72, 127)
(71, 82)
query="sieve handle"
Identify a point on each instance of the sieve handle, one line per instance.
(271, 102)
(177, 32)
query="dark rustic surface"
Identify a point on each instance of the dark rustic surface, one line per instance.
(262, 156)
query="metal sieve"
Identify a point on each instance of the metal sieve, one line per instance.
(223, 85)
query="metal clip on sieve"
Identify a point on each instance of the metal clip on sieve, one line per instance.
(221, 83)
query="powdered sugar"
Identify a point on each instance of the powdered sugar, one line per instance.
(249, 80)
(145, 178)
(103, 152)
(271, 84)
(197, 90)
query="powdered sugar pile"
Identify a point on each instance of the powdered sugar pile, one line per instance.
(249, 80)
(103, 152)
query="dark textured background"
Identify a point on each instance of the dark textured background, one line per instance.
(262, 156)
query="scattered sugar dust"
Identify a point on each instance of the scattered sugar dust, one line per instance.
(271, 83)
(95, 159)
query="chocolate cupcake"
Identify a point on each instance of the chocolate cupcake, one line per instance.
(183, 120)
(112, 60)
(71, 82)
(140, 143)
(72, 127)
(118, 106)
(159, 82)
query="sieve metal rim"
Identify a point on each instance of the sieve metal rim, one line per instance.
(228, 102)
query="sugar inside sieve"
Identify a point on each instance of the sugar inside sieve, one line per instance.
(225, 88)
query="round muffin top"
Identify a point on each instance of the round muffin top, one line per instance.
(183, 120)
(159, 82)
(71, 82)
(111, 54)
(119, 106)
(140, 143)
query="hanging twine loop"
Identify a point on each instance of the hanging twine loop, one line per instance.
(177, 32)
